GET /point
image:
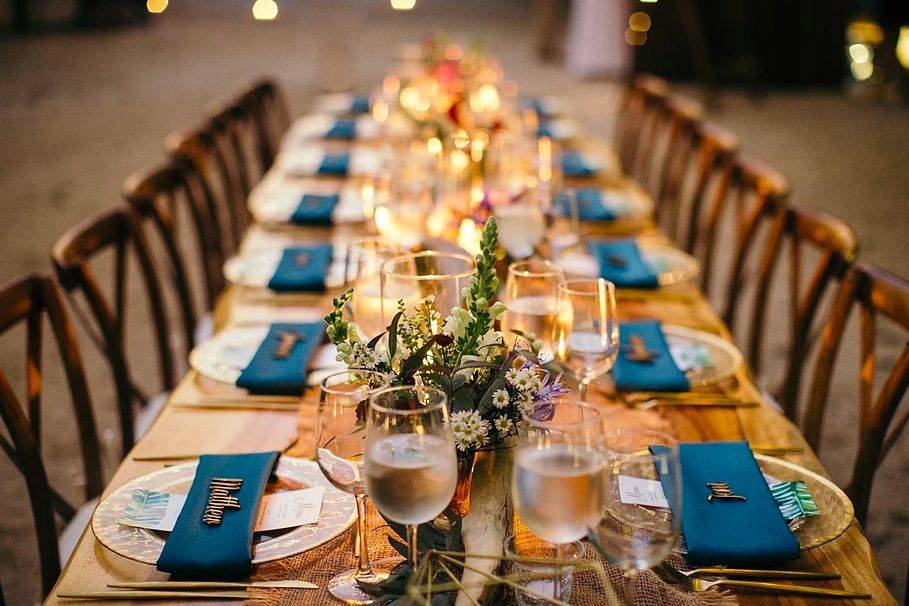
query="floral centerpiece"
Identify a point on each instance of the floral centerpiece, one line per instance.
(460, 351)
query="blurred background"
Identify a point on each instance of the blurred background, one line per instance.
(89, 89)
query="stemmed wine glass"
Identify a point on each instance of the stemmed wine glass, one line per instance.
(411, 466)
(340, 439)
(586, 331)
(531, 290)
(631, 535)
(558, 472)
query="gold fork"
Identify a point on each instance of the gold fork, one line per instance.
(755, 573)
(702, 585)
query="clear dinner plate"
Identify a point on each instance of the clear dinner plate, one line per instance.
(224, 356)
(339, 511)
(725, 358)
(671, 264)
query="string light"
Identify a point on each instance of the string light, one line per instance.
(265, 10)
(156, 6)
(403, 5)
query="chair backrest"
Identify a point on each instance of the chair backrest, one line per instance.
(164, 195)
(227, 125)
(639, 121)
(116, 230)
(195, 149)
(267, 105)
(28, 300)
(876, 293)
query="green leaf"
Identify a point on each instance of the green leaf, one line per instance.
(393, 335)
(412, 364)
(372, 342)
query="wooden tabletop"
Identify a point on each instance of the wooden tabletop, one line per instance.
(181, 431)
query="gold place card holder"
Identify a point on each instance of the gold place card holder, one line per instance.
(220, 498)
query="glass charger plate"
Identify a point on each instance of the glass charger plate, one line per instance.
(255, 268)
(835, 507)
(223, 357)
(725, 358)
(338, 513)
(671, 264)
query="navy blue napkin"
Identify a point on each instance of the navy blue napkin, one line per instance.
(345, 130)
(315, 209)
(359, 104)
(729, 532)
(271, 375)
(545, 130)
(660, 374)
(621, 263)
(302, 269)
(335, 165)
(197, 549)
(591, 206)
(575, 167)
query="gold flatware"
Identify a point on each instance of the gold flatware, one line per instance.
(757, 573)
(239, 405)
(180, 585)
(776, 451)
(713, 401)
(155, 595)
(653, 296)
(702, 585)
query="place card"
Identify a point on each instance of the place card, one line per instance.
(154, 510)
(640, 491)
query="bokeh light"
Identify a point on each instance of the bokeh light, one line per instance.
(639, 22)
(635, 38)
(859, 53)
(403, 5)
(861, 71)
(265, 10)
(156, 6)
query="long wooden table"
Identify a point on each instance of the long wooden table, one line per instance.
(181, 430)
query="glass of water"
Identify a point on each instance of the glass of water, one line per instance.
(343, 398)
(585, 335)
(531, 291)
(411, 468)
(558, 471)
(643, 487)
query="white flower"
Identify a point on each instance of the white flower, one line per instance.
(497, 309)
(469, 429)
(504, 425)
(456, 324)
(500, 398)
(512, 376)
(525, 380)
(525, 404)
(492, 337)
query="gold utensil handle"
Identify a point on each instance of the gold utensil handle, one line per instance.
(765, 574)
(794, 589)
(154, 595)
(177, 585)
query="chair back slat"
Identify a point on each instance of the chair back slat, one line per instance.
(230, 159)
(266, 104)
(876, 293)
(714, 150)
(116, 229)
(683, 119)
(29, 300)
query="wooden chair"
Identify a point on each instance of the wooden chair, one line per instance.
(639, 121)
(28, 300)
(228, 125)
(876, 293)
(163, 196)
(195, 149)
(117, 230)
(267, 105)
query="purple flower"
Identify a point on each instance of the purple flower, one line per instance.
(550, 389)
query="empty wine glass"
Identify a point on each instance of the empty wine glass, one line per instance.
(363, 261)
(531, 293)
(411, 466)
(340, 440)
(632, 535)
(557, 482)
(411, 277)
(586, 331)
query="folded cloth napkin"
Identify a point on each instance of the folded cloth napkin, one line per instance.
(197, 549)
(545, 130)
(302, 269)
(335, 165)
(345, 130)
(658, 374)
(574, 166)
(724, 531)
(359, 104)
(280, 364)
(315, 209)
(621, 263)
(591, 206)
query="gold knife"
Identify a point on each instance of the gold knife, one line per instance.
(157, 585)
(760, 574)
(702, 585)
(126, 596)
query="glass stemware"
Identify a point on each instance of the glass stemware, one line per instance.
(630, 535)
(412, 277)
(340, 440)
(586, 331)
(363, 261)
(411, 467)
(531, 292)
(558, 472)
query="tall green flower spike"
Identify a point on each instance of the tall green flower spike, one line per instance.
(482, 289)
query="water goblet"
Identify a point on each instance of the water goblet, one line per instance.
(531, 292)
(340, 439)
(411, 467)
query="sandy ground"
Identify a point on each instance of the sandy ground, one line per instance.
(81, 111)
